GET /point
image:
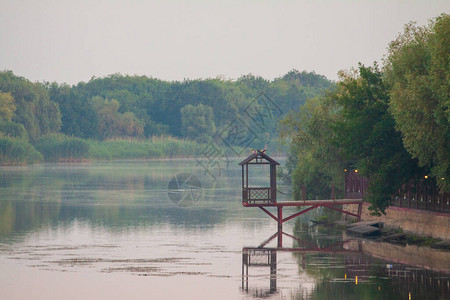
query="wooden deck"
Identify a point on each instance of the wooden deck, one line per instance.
(302, 202)
(311, 204)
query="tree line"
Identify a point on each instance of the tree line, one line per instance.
(52, 116)
(390, 123)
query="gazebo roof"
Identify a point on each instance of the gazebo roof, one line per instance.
(258, 155)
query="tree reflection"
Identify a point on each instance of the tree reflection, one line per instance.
(334, 267)
(116, 195)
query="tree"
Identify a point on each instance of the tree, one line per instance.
(7, 106)
(314, 161)
(130, 125)
(111, 123)
(77, 114)
(34, 110)
(367, 136)
(418, 69)
(198, 122)
(7, 126)
(108, 117)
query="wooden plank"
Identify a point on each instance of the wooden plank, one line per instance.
(306, 203)
(364, 230)
(319, 202)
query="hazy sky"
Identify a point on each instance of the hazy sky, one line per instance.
(73, 40)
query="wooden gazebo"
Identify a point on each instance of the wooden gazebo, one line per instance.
(265, 197)
(259, 195)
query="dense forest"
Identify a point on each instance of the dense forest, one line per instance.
(139, 116)
(389, 123)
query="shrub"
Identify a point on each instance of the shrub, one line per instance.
(15, 151)
(59, 147)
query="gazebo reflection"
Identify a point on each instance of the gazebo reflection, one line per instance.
(266, 257)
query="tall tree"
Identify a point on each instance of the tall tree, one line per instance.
(418, 69)
(367, 136)
(198, 122)
(314, 161)
(34, 110)
(7, 106)
(111, 123)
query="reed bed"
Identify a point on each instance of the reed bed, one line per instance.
(15, 151)
(154, 147)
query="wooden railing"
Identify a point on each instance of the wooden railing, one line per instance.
(355, 186)
(422, 195)
(258, 196)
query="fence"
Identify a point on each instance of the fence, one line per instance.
(421, 195)
(424, 196)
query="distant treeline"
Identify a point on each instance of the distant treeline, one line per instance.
(55, 121)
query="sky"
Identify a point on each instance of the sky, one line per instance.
(74, 40)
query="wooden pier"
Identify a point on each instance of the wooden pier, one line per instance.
(312, 204)
(265, 197)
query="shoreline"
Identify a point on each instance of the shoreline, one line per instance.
(419, 223)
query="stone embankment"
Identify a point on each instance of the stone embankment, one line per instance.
(417, 222)
(423, 257)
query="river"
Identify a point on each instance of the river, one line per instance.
(166, 229)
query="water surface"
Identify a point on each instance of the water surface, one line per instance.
(112, 230)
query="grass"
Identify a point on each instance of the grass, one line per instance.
(408, 238)
(59, 147)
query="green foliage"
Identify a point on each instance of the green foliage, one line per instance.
(366, 134)
(156, 104)
(392, 126)
(13, 130)
(137, 107)
(349, 126)
(78, 118)
(198, 122)
(313, 160)
(17, 151)
(293, 89)
(418, 69)
(111, 123)
(59, 147)
(156, 147)
(34, 110)
(7, 106)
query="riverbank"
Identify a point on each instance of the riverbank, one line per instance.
(411, 221)
(413, 255)
(61, 148)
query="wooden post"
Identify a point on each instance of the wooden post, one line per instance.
(408, 194)
(359, 211)
(417, 196)
(280, 226)
(304, 193)
(273, 271)
(246, 176)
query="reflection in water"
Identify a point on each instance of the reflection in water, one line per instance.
(113, 195)
(260, 257)
(341, 270)
(263, 256)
